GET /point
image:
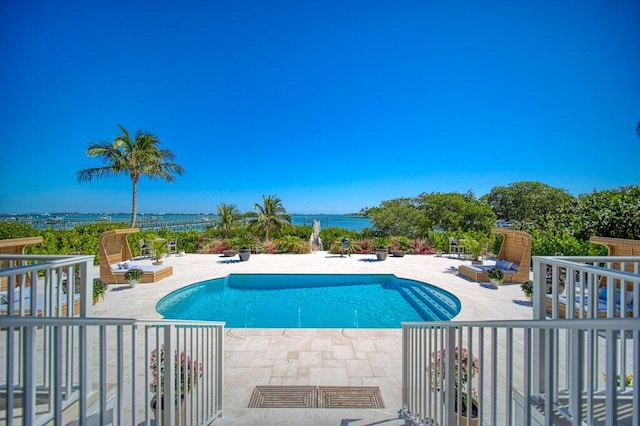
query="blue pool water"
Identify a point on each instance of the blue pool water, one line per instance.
(310, 301)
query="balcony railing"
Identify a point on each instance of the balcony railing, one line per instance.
(580, 370)
(61, 366)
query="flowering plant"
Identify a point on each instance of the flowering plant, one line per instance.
(189, 370)
(465, 367)
(496, 274)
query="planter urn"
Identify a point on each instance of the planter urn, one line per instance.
(381, 253)
(244, 254)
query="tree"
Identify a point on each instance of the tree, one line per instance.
(455, 211)
(270, 216)
(228, 218)
(135, 157)
(528, 202)
(399, 216)
(611, 213)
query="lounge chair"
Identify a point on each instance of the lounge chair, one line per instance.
(582, 308)
(14, 246)
(45, 304)
(115, 251)
(514, 259)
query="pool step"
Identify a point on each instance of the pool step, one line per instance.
(431, 303)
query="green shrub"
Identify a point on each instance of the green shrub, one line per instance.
(292, 244)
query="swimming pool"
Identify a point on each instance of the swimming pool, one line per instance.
(310, 301)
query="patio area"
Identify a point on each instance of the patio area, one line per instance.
(316, 357)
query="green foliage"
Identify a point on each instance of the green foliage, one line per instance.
(270, 216)
(612, 213)
(474, 243)
(527, 288)
(133, 274)
(381, 242)
(400, 243)
(10, 230)
(439, 240)
(496, 274)
(333, 235)
(292, 244)
(99, 289)
(548, 243)
(398, 217)
(134, 157)
(528, 202)
(454, 211)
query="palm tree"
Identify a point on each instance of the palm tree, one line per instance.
(270, 216)
(228, 218)
(136, 158)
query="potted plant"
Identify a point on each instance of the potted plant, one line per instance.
(474, 247)
(399, 246)
(190, 372)
(381, 244)
(159, 250)
(465, 367)
(245, 243)
(496, 276)
(133, 276)
(527, 288)
(99, 289)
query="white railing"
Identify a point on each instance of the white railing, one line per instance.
(603, 279)
(581, 386)
(579, 370)
(47, 372)
(63, 366)
(47, 285)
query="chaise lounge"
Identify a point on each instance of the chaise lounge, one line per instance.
(624, 300)
(514, 259)
(116, 258)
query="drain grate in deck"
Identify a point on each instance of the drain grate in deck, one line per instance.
(316, 397)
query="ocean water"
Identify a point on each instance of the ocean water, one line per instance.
(176, 221)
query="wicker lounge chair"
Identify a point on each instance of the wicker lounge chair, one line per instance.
(514, 258)
(14, 246)
(115, 252)
(615, 247)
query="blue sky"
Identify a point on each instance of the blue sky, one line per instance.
(330, 105)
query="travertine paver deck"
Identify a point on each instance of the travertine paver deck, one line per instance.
(317, 357)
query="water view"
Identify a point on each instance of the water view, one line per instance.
(173, 221)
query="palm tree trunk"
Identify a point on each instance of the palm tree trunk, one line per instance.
(134, 203)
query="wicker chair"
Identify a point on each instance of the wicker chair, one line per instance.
(515, 248)
(114, 248)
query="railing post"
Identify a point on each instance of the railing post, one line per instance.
(220, 371)
(169, 403)
(539, 313)
(451, 389)
(29, 367)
